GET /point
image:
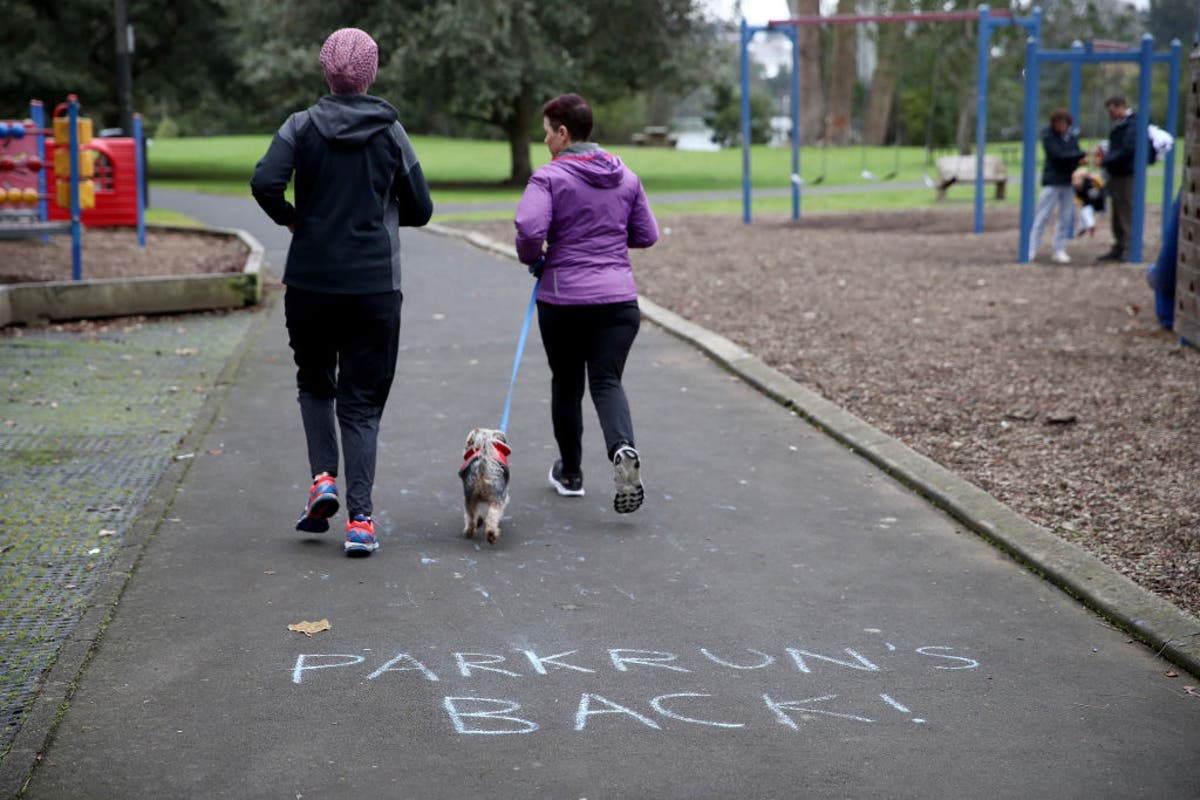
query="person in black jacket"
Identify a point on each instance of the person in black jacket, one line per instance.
(1118, 162)
(1061, 145)
(357, 179)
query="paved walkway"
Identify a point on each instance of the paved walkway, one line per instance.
(780, 619)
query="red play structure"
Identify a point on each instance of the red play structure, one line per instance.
(115, 181)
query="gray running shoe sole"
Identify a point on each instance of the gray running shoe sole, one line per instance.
(627, 474)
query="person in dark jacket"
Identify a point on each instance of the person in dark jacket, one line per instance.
(1117, 159)
(357, 179)
(1061, 145)
(581, 213)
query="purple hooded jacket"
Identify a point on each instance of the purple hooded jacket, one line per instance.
(589, 209)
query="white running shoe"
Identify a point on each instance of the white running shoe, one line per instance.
(1060, 257)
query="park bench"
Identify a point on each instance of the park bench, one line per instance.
(961, 170)
(655, 136)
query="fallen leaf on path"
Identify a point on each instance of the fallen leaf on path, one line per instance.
(186, 351)
(309, 628)
(106, 532)
(1172, 673)
(215, 452)
(1192, 691)
(268, 572)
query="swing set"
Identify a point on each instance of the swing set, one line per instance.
(1079, 55)
(988, 22)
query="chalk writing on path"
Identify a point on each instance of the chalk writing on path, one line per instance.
(789, 706)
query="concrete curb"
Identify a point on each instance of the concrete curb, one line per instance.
(1171, 631)
(53, 698)
(30, 303)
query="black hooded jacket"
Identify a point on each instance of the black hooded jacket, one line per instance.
(1122, 144)
(357, 179)
(1062, 156)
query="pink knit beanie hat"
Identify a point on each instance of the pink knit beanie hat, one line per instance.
(350, 58)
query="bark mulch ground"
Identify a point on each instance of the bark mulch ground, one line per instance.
(114, 253)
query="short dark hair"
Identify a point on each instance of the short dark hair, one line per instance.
(1061, 115)
(572, 111)
(1116, 100)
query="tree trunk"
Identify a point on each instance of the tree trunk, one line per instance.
(842, 79)
(812, 91)
(517, 127)
(883, 85)
(966, 115)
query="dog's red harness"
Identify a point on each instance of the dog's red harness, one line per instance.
(502, 454)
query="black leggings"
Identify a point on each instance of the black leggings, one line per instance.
(345, 347)
(594, 339)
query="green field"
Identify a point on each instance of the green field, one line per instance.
(471, 172)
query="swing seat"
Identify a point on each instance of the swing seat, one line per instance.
(961, 169)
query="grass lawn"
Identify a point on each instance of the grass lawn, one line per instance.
(468, 172)
(161, 216)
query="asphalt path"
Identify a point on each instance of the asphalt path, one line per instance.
(779, 620)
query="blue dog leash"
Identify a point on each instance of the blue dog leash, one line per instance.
(536, 271)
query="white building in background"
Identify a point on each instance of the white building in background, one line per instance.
(772, 51)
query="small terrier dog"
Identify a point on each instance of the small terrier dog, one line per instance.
(484, 474)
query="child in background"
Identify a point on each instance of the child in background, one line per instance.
(1089, 195)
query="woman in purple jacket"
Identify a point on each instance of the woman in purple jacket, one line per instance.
(582, 212)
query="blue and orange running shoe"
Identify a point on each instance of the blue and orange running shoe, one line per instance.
(360, 536)
(322, 504)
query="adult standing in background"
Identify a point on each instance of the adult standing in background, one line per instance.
(1117, 159)
(581, 213)
(357, 179)
(1061, 145)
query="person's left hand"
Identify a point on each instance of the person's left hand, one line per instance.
(535, 269)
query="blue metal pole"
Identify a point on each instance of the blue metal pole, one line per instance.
(1076, 106)
(1076, 83)
(1141, 151)
(1029, 147)
(981, 98)
(141, 171)
(1172, 126)
(76, 223)
(794, 31)
(37, 113)
(745, 66)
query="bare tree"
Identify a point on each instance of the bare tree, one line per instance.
(842, 79)
(883, 83)
(812, 90)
